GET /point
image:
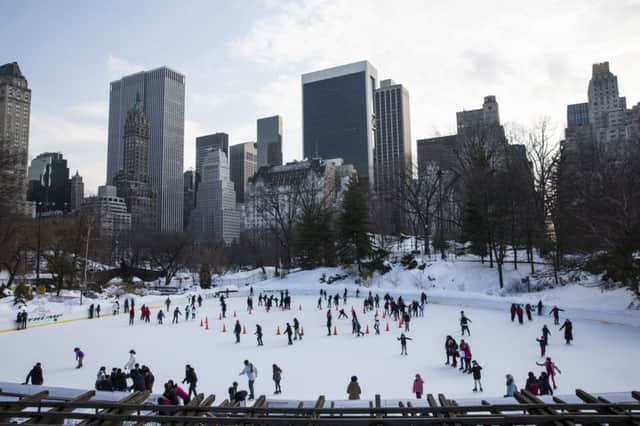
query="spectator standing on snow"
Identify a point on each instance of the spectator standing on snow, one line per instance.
(191, 379)
(132, 361)
(79, 356)
(403, 344)
(237, 329)
(418, 386)
(511, 386)
(35, 375)
(252, 374)
(475, 370)
(568, 331)
(277, 376)
(149, 378)
(464, 323)
(258, 334)
(551, 369)
(353, 390)
(556, 315)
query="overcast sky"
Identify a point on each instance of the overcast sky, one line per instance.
(243, 60)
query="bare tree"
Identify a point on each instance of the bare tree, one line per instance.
(168, 252)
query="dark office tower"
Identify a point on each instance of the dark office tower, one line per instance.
(191, 182)
(15, 112)
(49, 181)
(132, 182)
(270, 141)
(77, 192)
(162, 96)
(204, 144)
(243, 165)
(338, 115)
(393, 157)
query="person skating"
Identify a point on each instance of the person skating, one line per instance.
(79, 356)
(191, 379)
(511, 386)
(342, 314)
(187, 312)
(91, 311)
(568, 331)
(98, 311)
(329, 322)
(252, 374)
(551, 369)
(149, 378)
(403, 344)
(289, 333)
(132, 316)
(296, 329)
(520, 314)
(539, 307)
(353, 390)
(513, 312)
(546, 333)
(543, 345)
(115, 308)
(193, 312)
(169, 397)
(475, 370)
(181, 392)
(418, 386)
(545, 386)
(237, 329)
(258, 334)
(168, 304)
(466, 349)
(223, 306)
(176, 312)
(532, 385)
(126, 306)
(556, 315)
(527, 310)
(160, 316)
(319, 306)
(376, 325)
(464, 323)
(137, 377)
(35, 375)
(407, 319)
(451, 349)
(199, 301)
(131, 362)
(277, 376)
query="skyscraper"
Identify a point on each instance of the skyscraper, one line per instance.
(393, 135)
(270, 141)
(243, 165)
(161, 93)
(15, 113)
(204, 144)
(132, 182)
(191, 183)
(216, 217)
(77, 192)
(338, 115)
(49, 181)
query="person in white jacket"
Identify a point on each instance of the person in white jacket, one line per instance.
(252, 374)
(132, 361)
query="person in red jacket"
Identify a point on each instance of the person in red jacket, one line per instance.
(132, 316)
(520, 313)
(513, 312)
(418, 386)
(551, 369)
(181, 393)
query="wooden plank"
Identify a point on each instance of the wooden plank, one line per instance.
(635, 395)
(432, 403)
(49, 420)
(545, 409)
(134, 398)
(29, 398)
(378, 405)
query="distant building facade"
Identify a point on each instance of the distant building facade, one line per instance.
(191, 183)
(392, 153)
(269, 141)
(49, 181)
(77, 192)
(133, 181)
(15, 115)
(109, 214)
(206, 143)
(216, 217)
(338, 116)
(162, 93)
(243, 164)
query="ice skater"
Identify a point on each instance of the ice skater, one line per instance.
(376, 325)
(252, 374)
(556, 315)
(35, 375)
(568, 331)
(543, 345)
(160, 316)
(131, 362)
(418, 386)
(289, 333)
(277, 376)
(79, 356)
(403, 344)
(329, 322)
(296, 329)
(191, 379)
(176, 312)
(551, 369)
(237, 329)
(258, 334)
(475, 370)
(464, 323)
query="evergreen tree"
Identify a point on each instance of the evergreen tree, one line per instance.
(354, 241)
(474, 230)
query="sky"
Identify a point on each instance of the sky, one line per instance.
(243, 60)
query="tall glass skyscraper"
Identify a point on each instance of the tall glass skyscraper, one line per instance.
(269, 141)
(162, 95)
(338, 115)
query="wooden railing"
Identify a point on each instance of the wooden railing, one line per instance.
(40, 408)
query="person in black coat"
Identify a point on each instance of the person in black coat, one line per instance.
(237, 329)
(403, 344)
(288, 331)
(190, 378)
(258, 334)
(35, 375)
(121, 381)
(169, 396)
(568, 331)
(137, 377)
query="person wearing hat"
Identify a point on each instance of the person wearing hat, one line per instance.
(132, 361)
(35, 375)
(79, 356)
(353, 389)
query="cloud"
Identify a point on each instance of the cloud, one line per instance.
(97, 110)
(118, 67)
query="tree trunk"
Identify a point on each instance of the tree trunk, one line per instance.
(500, 277)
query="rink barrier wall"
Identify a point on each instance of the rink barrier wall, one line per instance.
(46, 406)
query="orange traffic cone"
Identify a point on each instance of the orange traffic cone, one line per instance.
(278, 331)
(244, 329)
(384, 315)
(224, 328)
(301, 331)
(206, 325)
(400, 324)
(249, 311)
(335, 330)
(387, 328)
(366, 330)
(220, 317)
(201, 323)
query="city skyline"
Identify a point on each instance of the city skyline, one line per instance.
(249, 64)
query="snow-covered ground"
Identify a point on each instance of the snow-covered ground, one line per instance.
(605, 347)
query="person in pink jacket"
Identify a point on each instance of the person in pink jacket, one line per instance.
(418, 386)
(184, 396)
(467, 358)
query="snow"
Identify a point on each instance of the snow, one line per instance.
(606, 336)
